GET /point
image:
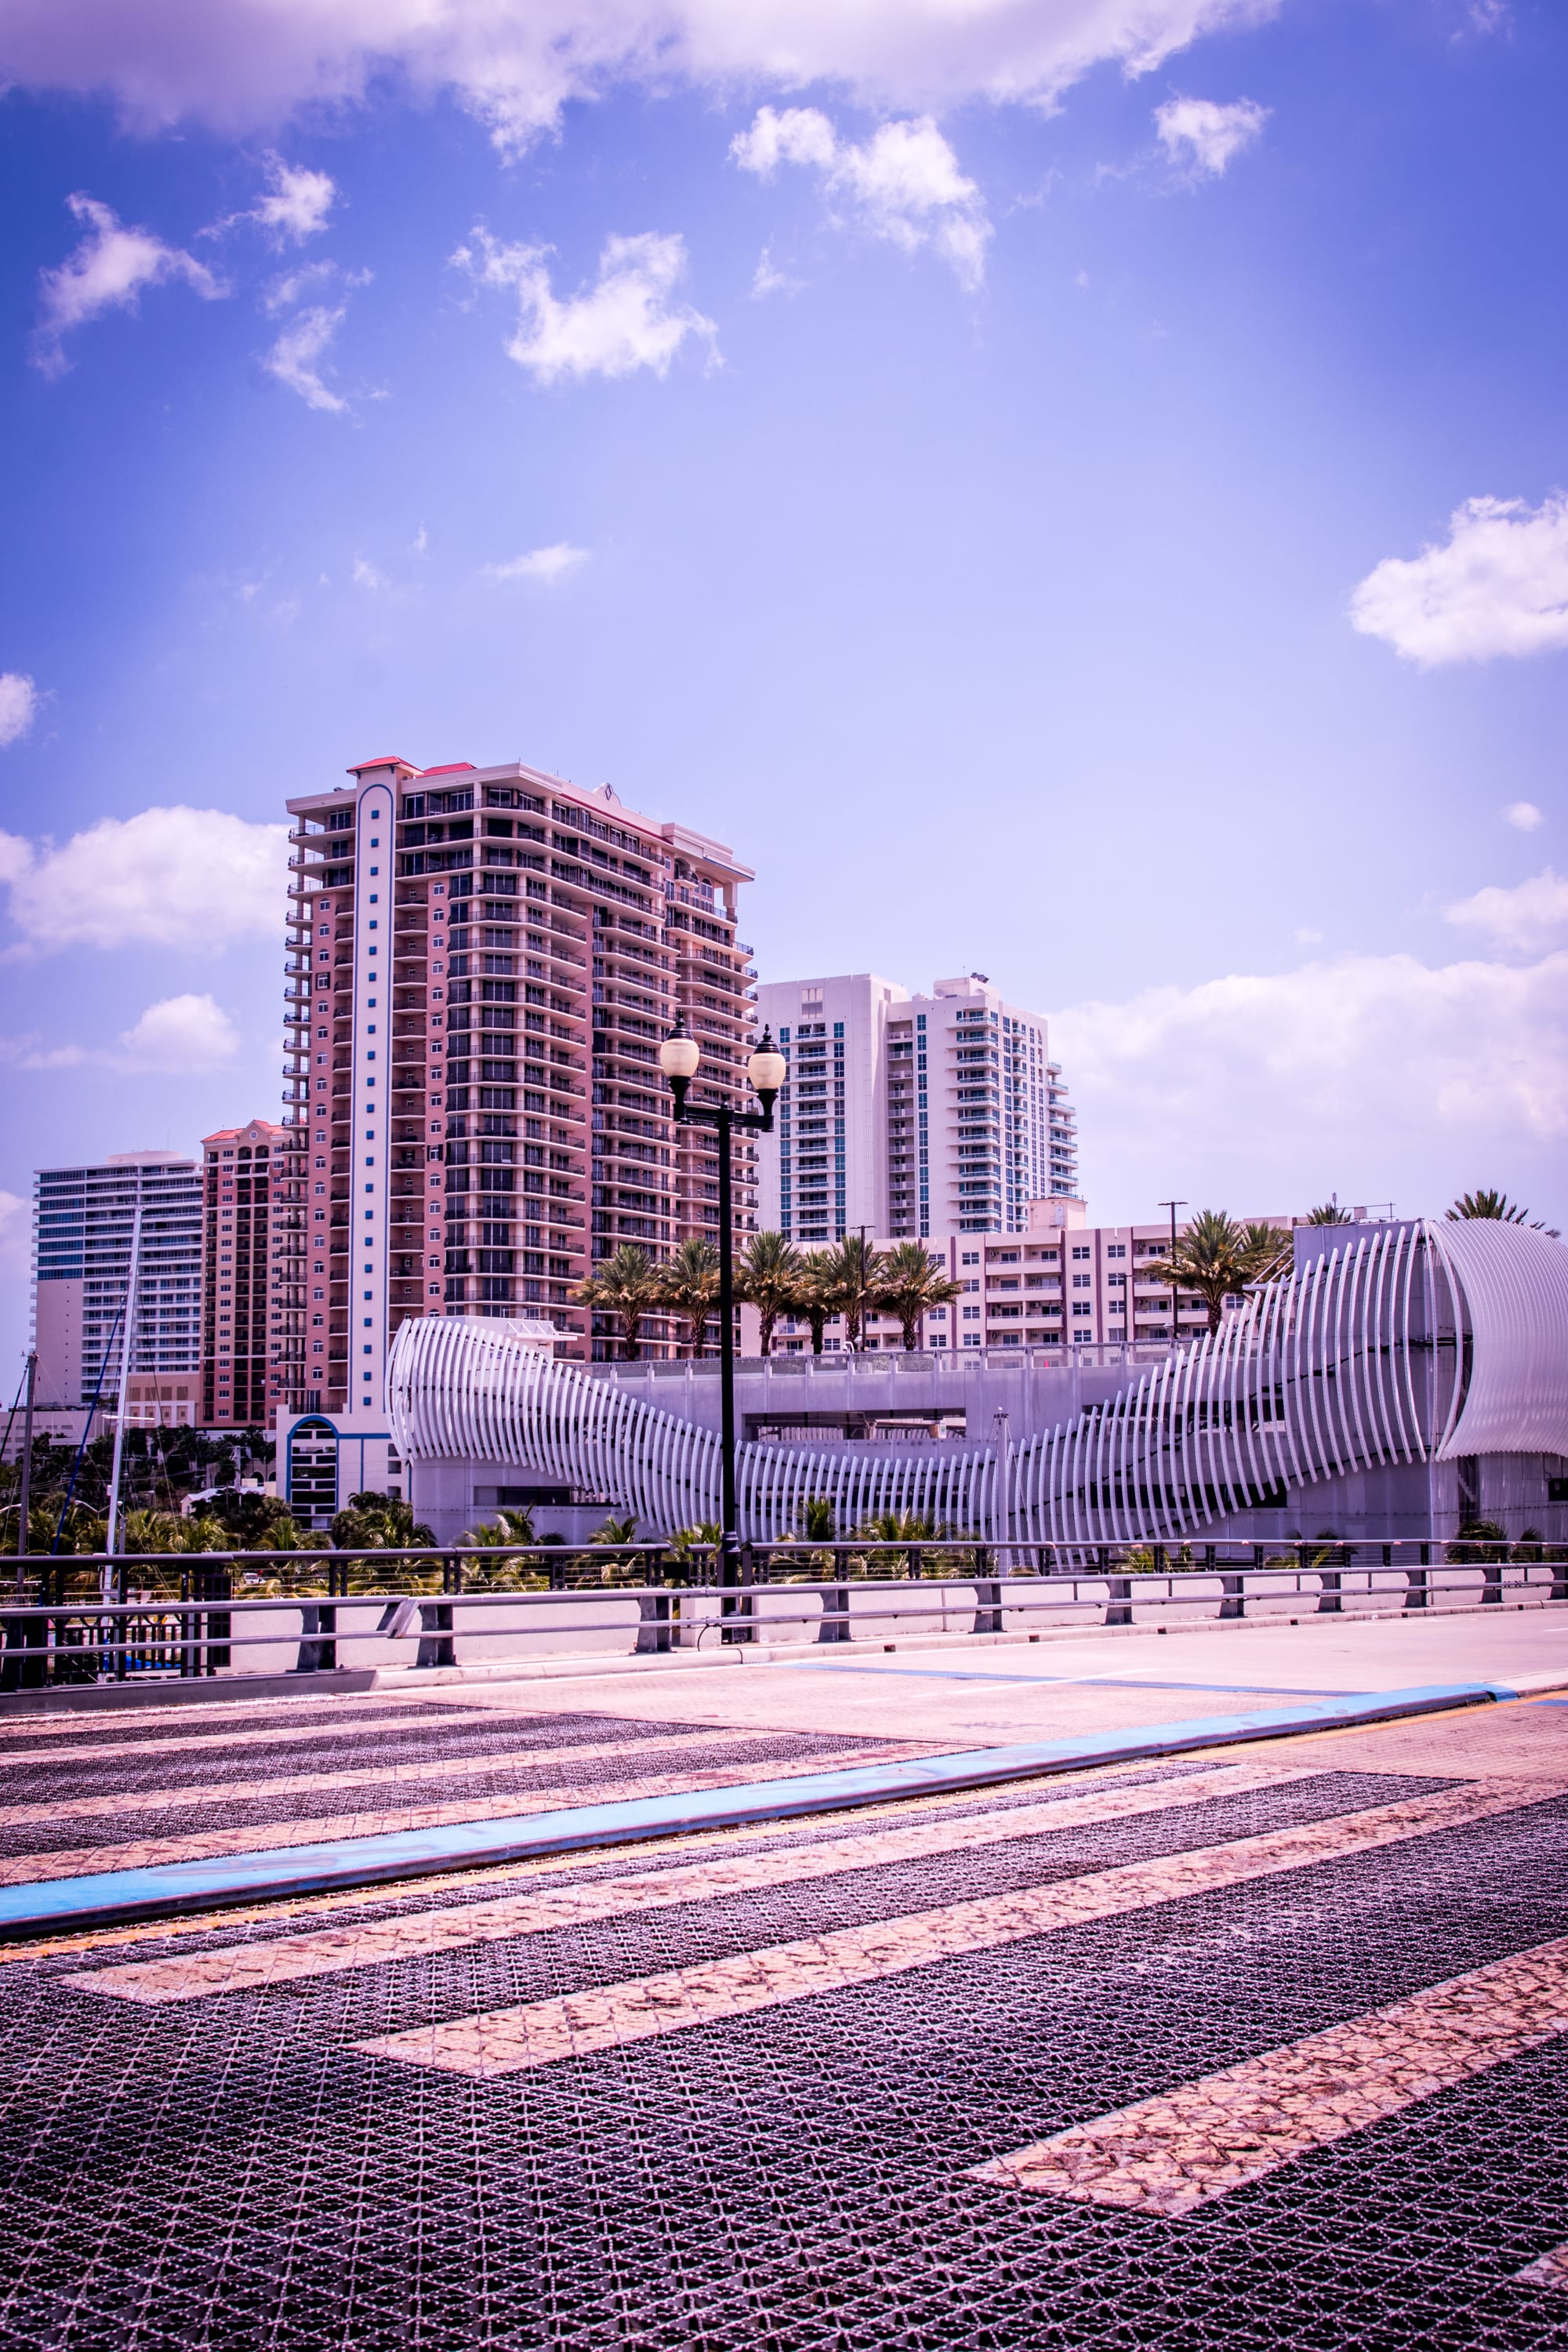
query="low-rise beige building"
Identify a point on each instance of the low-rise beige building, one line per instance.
(1061, 1282)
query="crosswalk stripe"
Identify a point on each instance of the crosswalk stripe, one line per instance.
(274, 1734)
(1550, 2269)
(199, 1845)
(530, 1870)
(246, 1965)
(1172, 2154)
(110, 1804)
(537, 2033)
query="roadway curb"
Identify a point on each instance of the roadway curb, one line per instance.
(107, 1898)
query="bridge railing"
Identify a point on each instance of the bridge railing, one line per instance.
(164, 1618)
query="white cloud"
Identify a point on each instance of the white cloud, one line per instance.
(799, 135)
(107, 272)
(1378, 1073)
(184, 1034)
(181, 877)
(903, 184)
(516, 63)
(1198, 133)
(1500, 586)
(1530, 915)
(18, 706)
(1523, 815)
(295, 206)
(297, 203)
(294, 285)
(546, 563)
(767, 279)
(365, 575)
(181, 1033)
(296, 358)
(624, 321)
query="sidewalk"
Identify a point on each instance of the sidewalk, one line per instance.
(972, 1692)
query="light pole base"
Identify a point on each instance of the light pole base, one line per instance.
(735, 1576)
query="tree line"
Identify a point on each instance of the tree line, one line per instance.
(852, 1278)
(1216, 1259)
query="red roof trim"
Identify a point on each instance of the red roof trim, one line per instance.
(458, 768)
(388, 759)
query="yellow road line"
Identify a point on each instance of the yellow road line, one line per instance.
(504, 2042)
(1172, 2154)
(186, 1976)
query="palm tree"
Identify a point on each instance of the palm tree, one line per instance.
(854, 1277)
(1327, 1213)
(626, 1287)
(501, 1534)
(1218, 1258)
(615, 1531)
(371, 1522)
(767, 1277)
(913, 1282)
(1489, 1203)
(685, 1542)
(813, 1297)
(688, 1285)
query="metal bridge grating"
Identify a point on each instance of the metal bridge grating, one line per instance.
(230, 2174)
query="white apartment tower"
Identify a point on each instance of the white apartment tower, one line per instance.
(83, 1223)
(913, 1114)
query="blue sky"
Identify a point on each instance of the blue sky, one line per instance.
(1071, 488)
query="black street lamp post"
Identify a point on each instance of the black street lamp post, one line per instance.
(766, 1068)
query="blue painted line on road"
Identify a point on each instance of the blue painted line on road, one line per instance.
(1059, 1682)
(104, 1897)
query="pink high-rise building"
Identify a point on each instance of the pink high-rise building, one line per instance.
(245, 1306)
(482, 965)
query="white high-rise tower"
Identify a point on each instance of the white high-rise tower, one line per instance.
(913, 1114)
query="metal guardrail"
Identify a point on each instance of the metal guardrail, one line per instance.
(309, 1609)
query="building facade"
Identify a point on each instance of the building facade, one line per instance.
(1059, 1282)
(1398, 1382)
(83, 1222)
(482, 964)
(912, 1115)
(243, 1305)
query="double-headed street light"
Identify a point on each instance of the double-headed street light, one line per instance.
(765, 1067)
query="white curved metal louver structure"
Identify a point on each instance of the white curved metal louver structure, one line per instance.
(467, 1390)
(1416, 1342)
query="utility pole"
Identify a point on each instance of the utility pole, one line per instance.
(24, 1498)
(127, 1346)
(1175, 1295)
